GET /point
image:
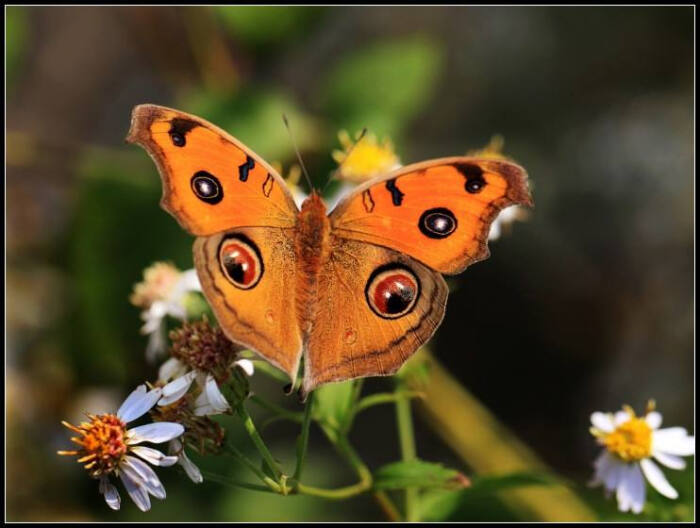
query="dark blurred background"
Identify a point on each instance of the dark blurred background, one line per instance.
(586, 306)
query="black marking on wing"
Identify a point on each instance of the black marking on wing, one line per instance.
(244, 169)
(474, 176)
(267, 185)
(367, 201)
(179, 127)
(396, 194)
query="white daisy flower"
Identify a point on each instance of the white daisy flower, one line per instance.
(631, 443)
(107, 447)
(505, 218)
(162, 293)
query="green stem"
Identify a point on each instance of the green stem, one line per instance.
(303, 440)
(240, 457)
(277, 409)
(408, 450)
(235, 483)
(259, 443)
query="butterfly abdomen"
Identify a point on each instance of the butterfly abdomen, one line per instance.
(312, 250)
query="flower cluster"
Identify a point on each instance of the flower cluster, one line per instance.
(162, 293)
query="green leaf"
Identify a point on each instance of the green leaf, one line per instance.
(495, 483)
(418, 474)
(333, 402)
(383, 86)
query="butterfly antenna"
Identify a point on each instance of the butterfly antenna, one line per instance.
(296, 150)
(340, 166)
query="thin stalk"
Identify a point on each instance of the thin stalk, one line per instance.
(258, 441)
(235, 483)
(277, 409)
(235, 453)
(303, 440)
(408, 451)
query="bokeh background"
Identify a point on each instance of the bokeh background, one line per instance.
(586, 306)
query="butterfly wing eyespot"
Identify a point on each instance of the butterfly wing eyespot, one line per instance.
(392, 291)
(240, 261)
(207, 187)
(438, 222)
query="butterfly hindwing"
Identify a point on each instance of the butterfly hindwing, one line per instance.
(249, 275)
(375, 308)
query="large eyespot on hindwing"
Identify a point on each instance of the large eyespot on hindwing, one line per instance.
(439, 222)
(392, 291)
(207, 187)
(240, 261)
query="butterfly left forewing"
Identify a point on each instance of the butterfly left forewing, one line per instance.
(355, 333)
(438, 211)
(211, 181)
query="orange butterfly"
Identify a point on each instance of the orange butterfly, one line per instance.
(356, 291)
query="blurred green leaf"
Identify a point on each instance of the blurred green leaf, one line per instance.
(262, 26)
(382, 86)
(333, 402)
(16, 36)
(418, 474)
(255, 117)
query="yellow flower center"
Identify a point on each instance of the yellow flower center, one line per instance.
(364, 159)
(630, 441)
(102, 443)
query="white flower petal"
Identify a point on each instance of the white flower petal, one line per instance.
(631, 492)
(177, 388)
(189, 281)
(138, 404)
(110, 493)
(214, 395)
(136, 491)
(171, 369)
(153, 456)
(190, 468)
(657, 479)
(154, 432)
(156, 311)
(138, 469)
(177, 310)
(246, 365)
(671, 461)
(674, 441)
(653, 419)
(621, 417)
(610, 470)
(157, 342)
(603, 421)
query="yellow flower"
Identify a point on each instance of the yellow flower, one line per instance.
(364, 158)
(493, 150)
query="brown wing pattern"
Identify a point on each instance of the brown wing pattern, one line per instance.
(350, 338)
(259, 312)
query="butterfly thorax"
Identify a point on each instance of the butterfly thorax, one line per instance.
(312, 250)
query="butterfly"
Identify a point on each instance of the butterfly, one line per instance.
(355, 291)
